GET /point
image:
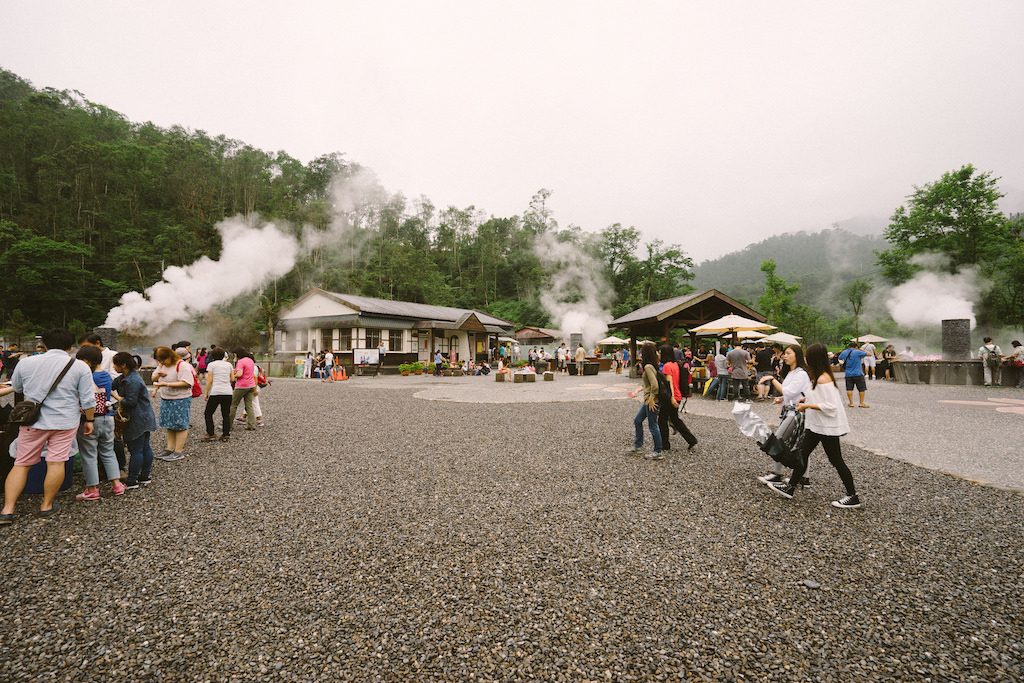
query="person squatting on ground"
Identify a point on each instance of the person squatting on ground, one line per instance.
(60, 415)
(991, 362)
(245, 386)
(133, 402)
(666, 414)
(793, 388)
(99, 445)
(825, 421)
(219, 395)
(172, 382)
(649, 405)
(852, 360)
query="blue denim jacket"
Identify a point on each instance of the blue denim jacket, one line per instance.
(135, 399)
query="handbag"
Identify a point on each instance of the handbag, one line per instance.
(121, 419)
(26, 413)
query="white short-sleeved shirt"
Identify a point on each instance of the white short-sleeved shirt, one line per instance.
(220, 371)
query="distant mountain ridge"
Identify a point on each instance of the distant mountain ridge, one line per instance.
(820, 262)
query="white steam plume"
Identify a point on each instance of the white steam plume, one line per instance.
(932, 296)
(254, 252)
(577, 291)
(251, 255)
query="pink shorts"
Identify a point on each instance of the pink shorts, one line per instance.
(31, 441)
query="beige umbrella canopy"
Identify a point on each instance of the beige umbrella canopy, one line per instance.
(612, 341)
(781, 338)
(731, 323)
(873, 338)
(751, 334)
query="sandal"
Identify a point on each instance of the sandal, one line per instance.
(208, 438)
(49, 513)
(7, 519)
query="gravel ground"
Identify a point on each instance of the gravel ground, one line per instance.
(972, 432)
(366, 534)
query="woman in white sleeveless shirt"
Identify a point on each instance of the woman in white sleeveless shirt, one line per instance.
(825, 421)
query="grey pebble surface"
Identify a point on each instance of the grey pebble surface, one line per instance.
(366, 534)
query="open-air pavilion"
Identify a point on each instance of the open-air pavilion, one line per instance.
(659, 318)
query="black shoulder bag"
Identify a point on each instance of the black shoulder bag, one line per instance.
(25, 413)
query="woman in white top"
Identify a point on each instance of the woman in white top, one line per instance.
(794, 387)
(219, 374)
(825, 422)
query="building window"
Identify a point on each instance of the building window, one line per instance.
(453, 345)
(345, 339)
(386, 339)
(372, 338)
(326, 342)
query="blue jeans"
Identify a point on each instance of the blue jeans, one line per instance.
(98, 446)
(651, 416)
(141, 464)
(723, 387)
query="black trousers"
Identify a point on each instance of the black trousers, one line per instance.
(224, 402)
(835, 456)
(669, 414)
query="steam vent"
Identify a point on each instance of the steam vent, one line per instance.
(956, 366)
(956, 339)
(108, 335)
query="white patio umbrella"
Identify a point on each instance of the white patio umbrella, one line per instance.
(612, 341)
(750, 334)
(731, 323)
(873, 338)
(781, 338)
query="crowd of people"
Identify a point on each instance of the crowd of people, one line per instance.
(805, 386)
(92, 400)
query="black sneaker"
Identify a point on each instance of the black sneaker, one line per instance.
(131, 486)
(805, 482)
(145, 482)
(847, 503)
(770, 478)
(784, 490)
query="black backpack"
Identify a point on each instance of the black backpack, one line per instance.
(665, 396)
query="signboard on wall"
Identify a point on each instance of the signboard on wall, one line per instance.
(366, 356)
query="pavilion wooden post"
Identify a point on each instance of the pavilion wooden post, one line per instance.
(693, 343)
(632, 352)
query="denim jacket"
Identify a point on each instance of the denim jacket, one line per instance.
(135, 400)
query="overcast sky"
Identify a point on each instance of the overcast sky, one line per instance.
(710, 124)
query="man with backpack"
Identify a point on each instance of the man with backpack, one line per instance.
(991, 361)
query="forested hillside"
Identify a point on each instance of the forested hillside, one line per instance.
(93, 205)
(821, 263)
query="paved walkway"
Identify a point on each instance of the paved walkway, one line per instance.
(971, 432)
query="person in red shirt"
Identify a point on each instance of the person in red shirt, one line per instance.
(670, 414)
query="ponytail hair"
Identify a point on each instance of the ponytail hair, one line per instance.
(126, 361)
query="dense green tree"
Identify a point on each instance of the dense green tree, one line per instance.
(957, 216)
(777, 302)
(855, 292)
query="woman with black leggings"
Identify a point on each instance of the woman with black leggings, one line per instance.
(825, 421)
(667, 414)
